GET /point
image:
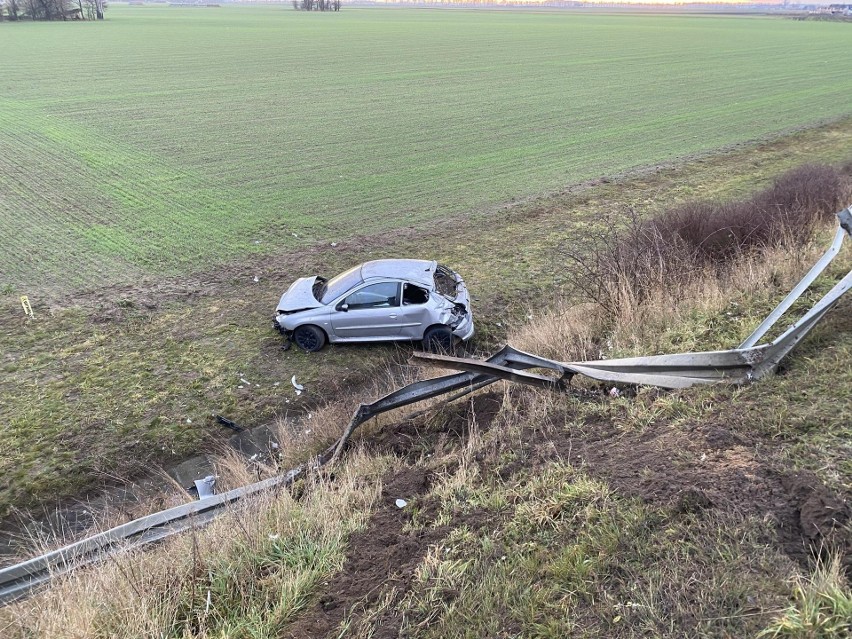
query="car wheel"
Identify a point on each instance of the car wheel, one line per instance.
(309, 338)
(438, 339)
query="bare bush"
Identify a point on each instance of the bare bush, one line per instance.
(625, 264)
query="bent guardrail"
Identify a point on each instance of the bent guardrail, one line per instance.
(748, 362)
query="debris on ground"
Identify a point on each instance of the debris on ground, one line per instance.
(205, 486)
(299, 387)
(229, 423)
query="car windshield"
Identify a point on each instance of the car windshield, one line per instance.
(337, 286)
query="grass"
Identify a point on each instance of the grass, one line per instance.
(246, 575)
(116, 380)
(534, 538)
(822, 606)
(573, 558)
(127, 379)
(191, 137)
(115, 180)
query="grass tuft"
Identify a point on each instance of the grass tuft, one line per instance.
(822, 607)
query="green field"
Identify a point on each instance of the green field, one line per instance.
(166, 140)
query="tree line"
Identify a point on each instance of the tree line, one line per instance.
(316, 5)
(14, 10)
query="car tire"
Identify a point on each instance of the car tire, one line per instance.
(439, 339)
(309, 338)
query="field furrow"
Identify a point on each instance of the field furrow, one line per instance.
(187, 138)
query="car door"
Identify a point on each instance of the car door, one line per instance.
(368, 312)
(417, 315)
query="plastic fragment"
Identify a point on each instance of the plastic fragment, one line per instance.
(299, 388)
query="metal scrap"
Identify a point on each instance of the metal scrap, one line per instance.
(746, 363)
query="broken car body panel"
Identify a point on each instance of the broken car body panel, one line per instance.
(380, 300)
(299, 296)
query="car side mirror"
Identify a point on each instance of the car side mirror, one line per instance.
(343, 307)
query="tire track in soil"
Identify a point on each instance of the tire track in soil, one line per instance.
(380, 557)
(383, 556)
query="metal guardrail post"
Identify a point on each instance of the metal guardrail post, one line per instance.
(845, 228)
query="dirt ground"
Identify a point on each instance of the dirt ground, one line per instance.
(701, 468)
(382, 558)
(710, 467)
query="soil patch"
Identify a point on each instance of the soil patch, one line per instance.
(412, 438)
(709, 467)
(381, 557)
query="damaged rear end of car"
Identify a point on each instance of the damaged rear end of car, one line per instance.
(456, 314)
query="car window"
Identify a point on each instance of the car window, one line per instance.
(339, 284)
(381, 295)
(412, 294)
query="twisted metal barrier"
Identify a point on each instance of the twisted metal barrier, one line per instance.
(746, 363)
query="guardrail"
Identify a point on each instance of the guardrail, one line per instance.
(748, 362)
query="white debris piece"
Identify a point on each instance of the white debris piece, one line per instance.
(299, 388)
(614, 392)
(205, 486)
(274, 537)
(245, 381)
(401, 503)
(334, 243)
(256, 279)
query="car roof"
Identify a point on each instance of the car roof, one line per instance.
(419, 271)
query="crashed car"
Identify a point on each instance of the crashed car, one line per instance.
(378, 301)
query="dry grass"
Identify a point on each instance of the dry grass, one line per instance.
(245, 574)
(649, 323)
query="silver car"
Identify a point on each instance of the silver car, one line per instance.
(377, 301)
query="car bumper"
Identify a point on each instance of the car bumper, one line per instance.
(464, 331)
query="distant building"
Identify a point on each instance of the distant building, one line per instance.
(835, 9)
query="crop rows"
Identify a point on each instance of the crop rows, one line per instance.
(192, 137)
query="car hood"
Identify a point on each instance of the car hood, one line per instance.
(299, 296)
